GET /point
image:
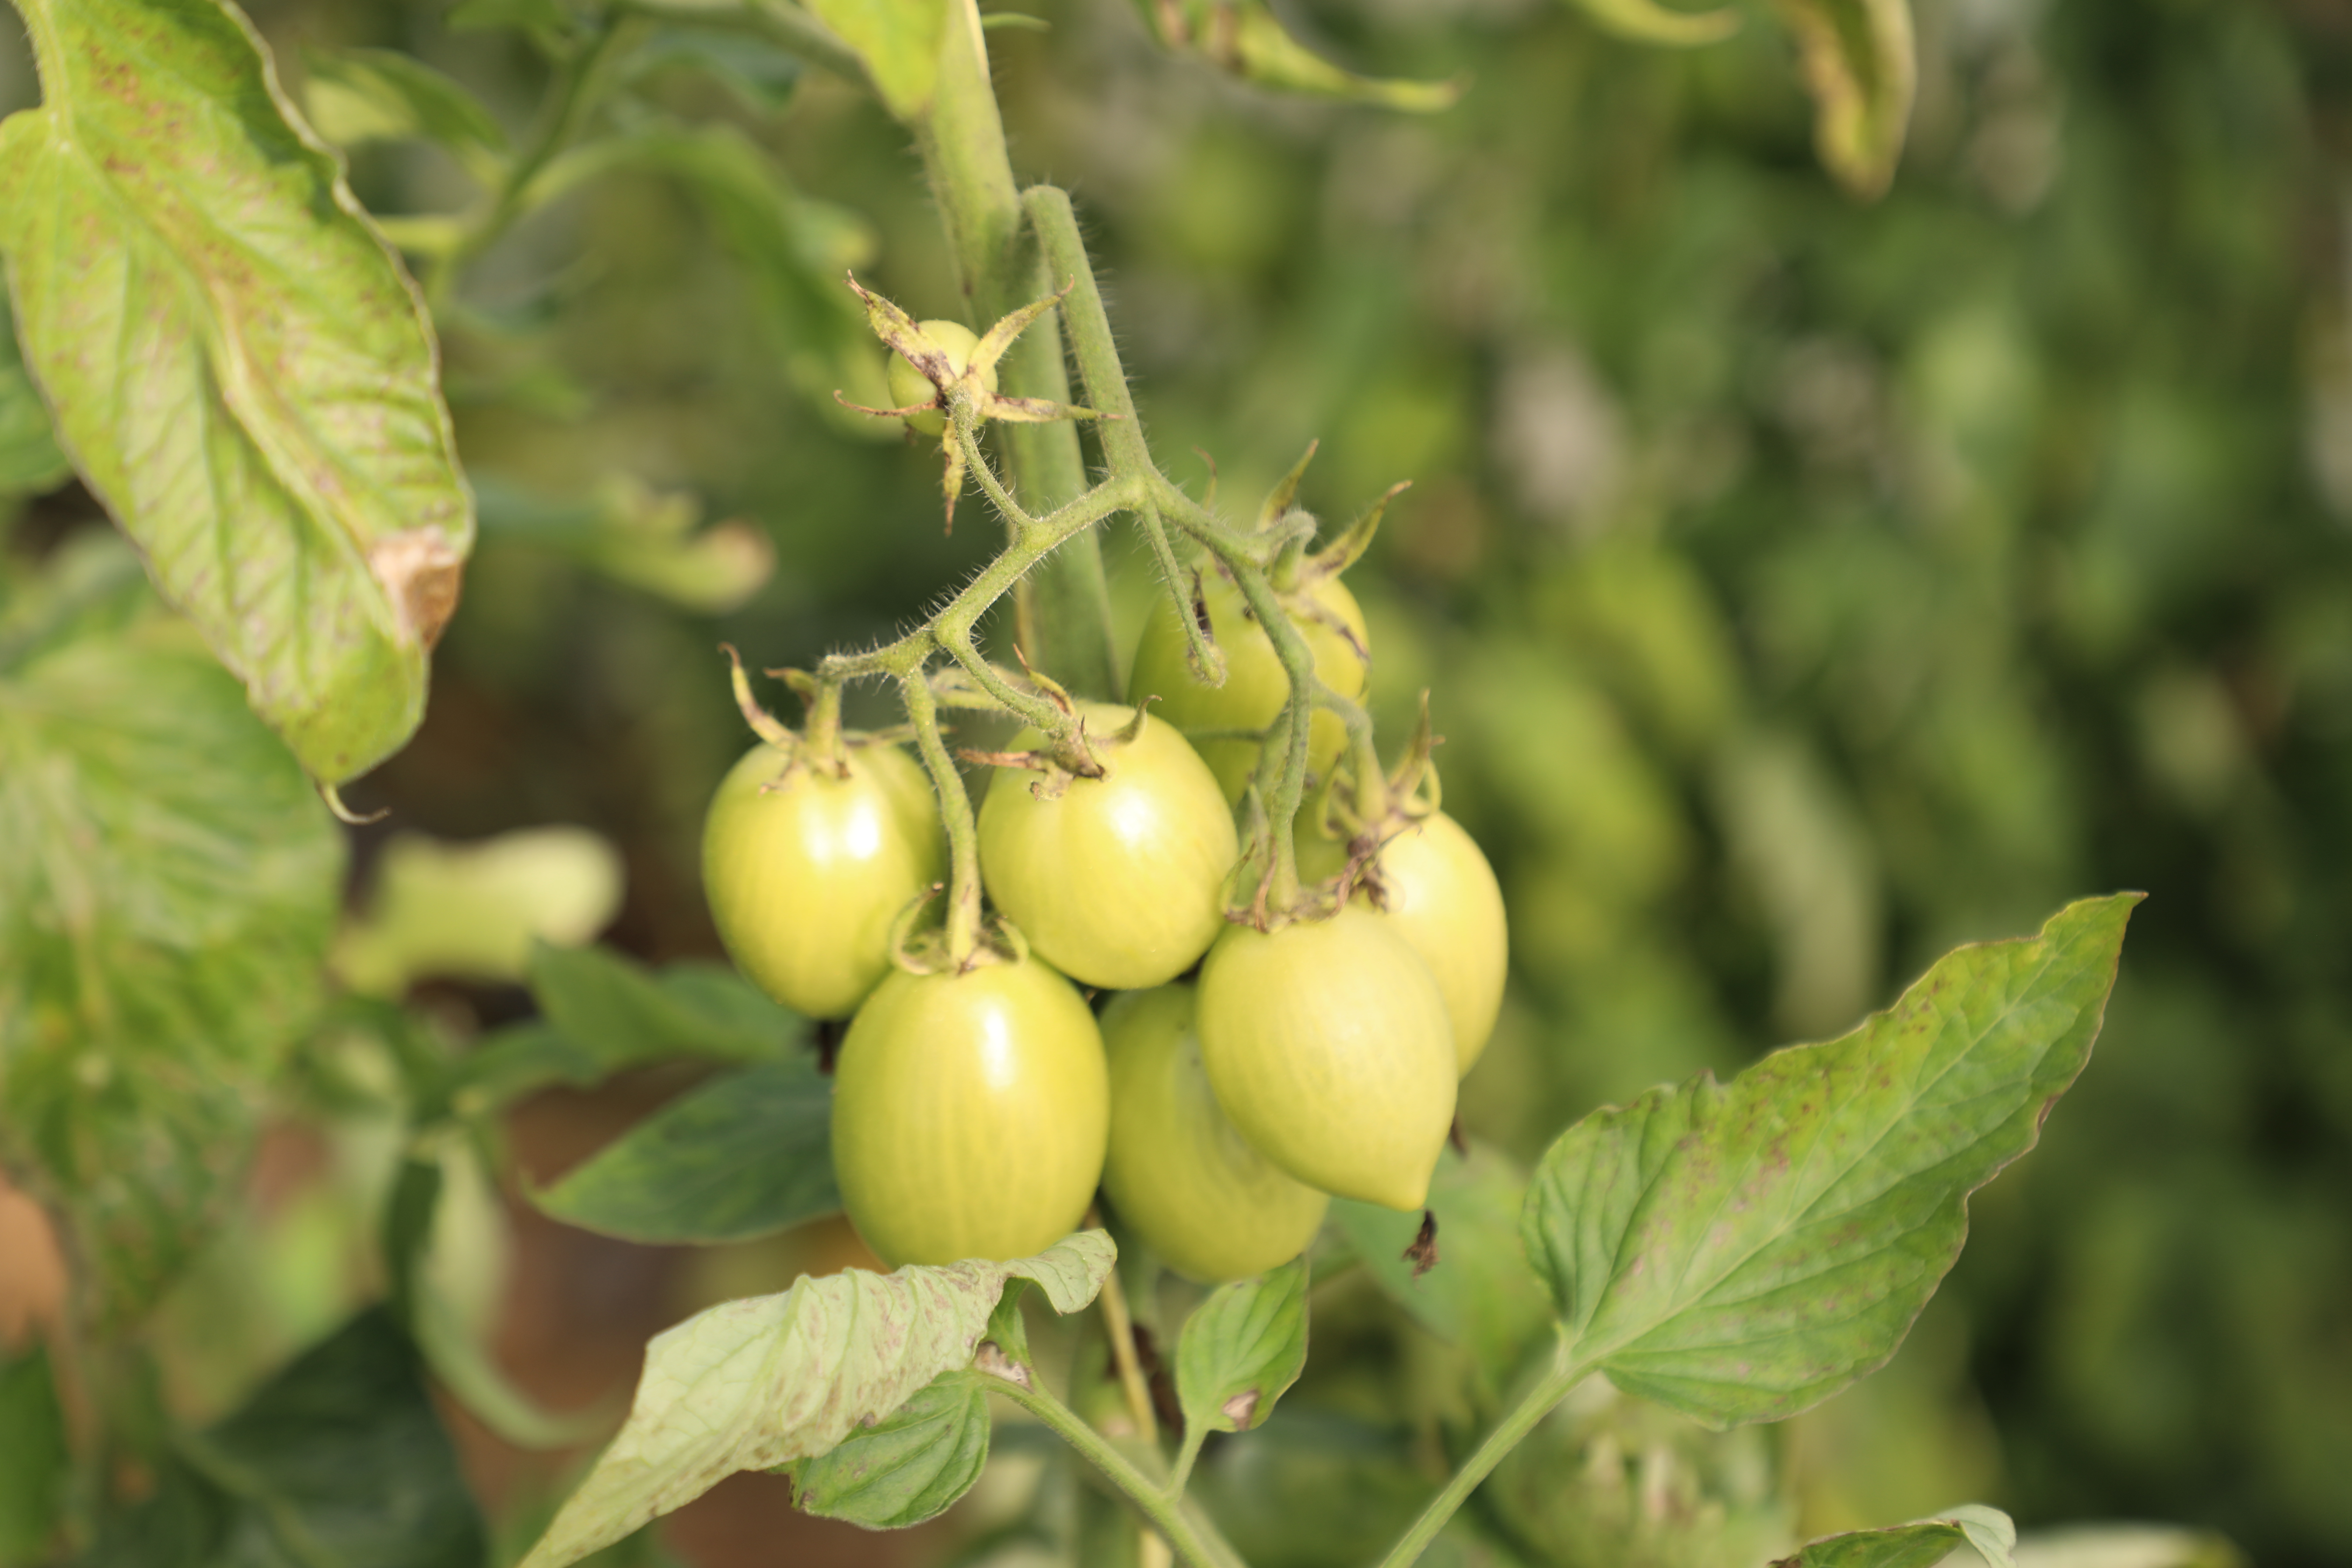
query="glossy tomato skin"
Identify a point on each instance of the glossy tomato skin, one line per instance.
(805, 879)
(1179, 1172)
(1116, 881)
(1327, 1044)
(1255, 686)
(1441, 898)
(969, 1113)
(909, 386)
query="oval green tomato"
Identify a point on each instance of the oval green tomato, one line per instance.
(1116, 881)
(969, 1113)
(1441, 898)
(909, 386)
(1212, 1208)
(1327, 1044)
(1255, 686)
(804, 879)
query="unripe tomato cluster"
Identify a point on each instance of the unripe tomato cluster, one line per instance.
(975, 1113)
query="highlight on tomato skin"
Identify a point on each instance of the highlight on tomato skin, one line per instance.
(1255, 686)
(804, 879)
(969, 1113)
(1327, 1044)
(1116, 881)
(1439, 892)
(1179, 1172)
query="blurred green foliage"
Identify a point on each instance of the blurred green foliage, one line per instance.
(1805, 587)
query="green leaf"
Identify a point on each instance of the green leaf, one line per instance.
(1740, 1252)
(30, 462)
(638, 536)
(1923, 1543)
(33, 1479)
(338, 1462)
(908, 1466)
(168, 880)
(1647, 21)
(618, 1012)
(761, 76)
(1481, 1295)
(473, 911)
(747, 1154)
(1244, 38)
(757, 1383)
(382, 95)
(1242, 1349)
(898, 43)
(546, 17)
(236, 364)
(1860, 65)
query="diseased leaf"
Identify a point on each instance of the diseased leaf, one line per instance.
(339, 1460)
(898, 40)
(1923, 1543)
(33, 1479)
(168, 881)
(382, 95)
(757, 1383)
(236, 364)
(1242, 1349)
(30, 462)
(908, 1466)
(1244, 38)
(1860, 64)
(747, 1154)
(1648, 22)
(1742, 1251)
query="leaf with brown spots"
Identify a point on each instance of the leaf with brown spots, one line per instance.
(1241, 1350)
(236, 364)
(1742, 1251)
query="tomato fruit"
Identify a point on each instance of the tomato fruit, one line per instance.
(1442, 898)
(968, 1113)
(909, 386)
(1327, 1044)
(1256, 687)
(1116, 881)
(1212, 1208)
(804, 879)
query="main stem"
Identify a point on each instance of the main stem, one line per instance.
(1063, 608)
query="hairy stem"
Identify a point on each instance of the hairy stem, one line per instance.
(1121, 1328)
(955, 811)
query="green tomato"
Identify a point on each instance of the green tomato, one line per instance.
(1256, 687)
(1327, 1044)
(1116, 881)
(909, 386)
(969, 1113)
(805, 879)
(1443, 899)
(1179, 1171)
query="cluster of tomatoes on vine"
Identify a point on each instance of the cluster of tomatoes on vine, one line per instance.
(1243, 1065)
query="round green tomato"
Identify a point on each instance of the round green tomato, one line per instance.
(968, 1113)
(1116, 881)
(1255, 686)
(804, 879)
(1443, 899)
(909, 386)
(1327, 1044)
(1212, 1208)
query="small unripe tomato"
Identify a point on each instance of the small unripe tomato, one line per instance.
(1212, 1208)
(909, 386)
(1116, 881)
(1441, 898)
(1327, 1044)
(1255, 686)
(968, 1113)
(805, 879)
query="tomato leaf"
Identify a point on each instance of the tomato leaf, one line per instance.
(757, 1383)
(1923, 1543)
(1246, 39)
(382, 95)
(168, 882)
(32, 1436)
(339, 1460)
(746, 1154)
(908, 1466)
(1859, 64)
(236, 364)
(1481, 1295)
(1647, 21)
(1242, 1349)
(898, 43)
(30, 462)
(1741, 1251)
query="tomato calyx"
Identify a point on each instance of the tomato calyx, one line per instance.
(1073, 754)
(1365, 809)
(928, 950)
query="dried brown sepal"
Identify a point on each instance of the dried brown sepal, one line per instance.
(1423, 1253)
